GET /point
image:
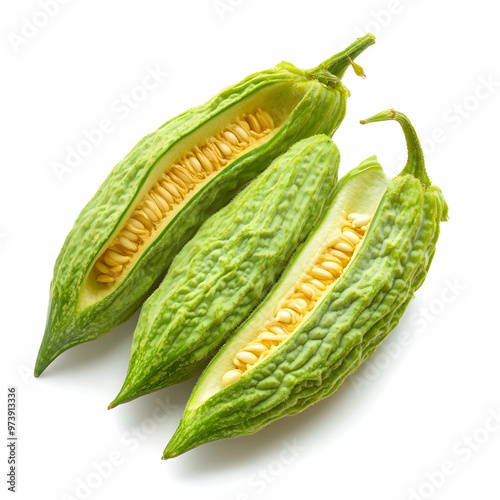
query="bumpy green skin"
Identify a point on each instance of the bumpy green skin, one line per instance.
(228, 267)
(361, 309)
(321, 110)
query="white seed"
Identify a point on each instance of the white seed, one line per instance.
(224, 148)
(152, 205)
(212, 158)
(142, 217)
(278, 330)
(343, 246)
(339, 255)
(308, 290)
(242, 135)
(136, 224)
(102, 268)
(318, 284)
(333, 258)
(247, 357)
(230, 137)
(195, 163)
(298, 305)
(204, 161)
(256, 349)
(185, 165)
(353, 216)
(322, 274)
(265, 118)
(254, 123)
(230, 377)
(239, 364)
(160, 203)
(179, 183)
(119, 259)
(150, 214)
(141, 234)
(243, 123)
(171, 189)
(125, 243)
(361, 220)
(105, 278)
(302, 302)
(284, 316)
(130, 236)
(165, 194)
(267, 337)
(217, 154)
(108, 260)
(351, 236)
(333, 267)
(183, 175)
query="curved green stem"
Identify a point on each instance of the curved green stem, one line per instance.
(415, 165)
(338, 64)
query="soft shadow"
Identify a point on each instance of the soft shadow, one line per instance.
(328, 416)
(256, 448)
(170, 402)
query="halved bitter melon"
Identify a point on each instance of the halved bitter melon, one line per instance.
(344, 290)
(228, 267)
(154, 200)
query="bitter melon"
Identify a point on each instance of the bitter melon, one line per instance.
(344, 290)
(155, 199)
(228, 267)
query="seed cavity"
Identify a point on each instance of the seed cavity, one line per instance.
(175, 185)
(309, 289)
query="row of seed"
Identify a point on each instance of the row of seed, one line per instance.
(174, 186)
(306, 293)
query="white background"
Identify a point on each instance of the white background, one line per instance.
(424, 403)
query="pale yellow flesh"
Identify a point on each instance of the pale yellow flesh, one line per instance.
(315, 283)
(370, 188)
(179, 175)
(175, 186)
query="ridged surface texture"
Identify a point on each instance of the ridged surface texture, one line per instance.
(320, 109)
(228, 267)
(365, 304)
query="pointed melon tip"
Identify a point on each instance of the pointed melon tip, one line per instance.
(124, 395)
(169, 453)
(117, 401)
(40, 366)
